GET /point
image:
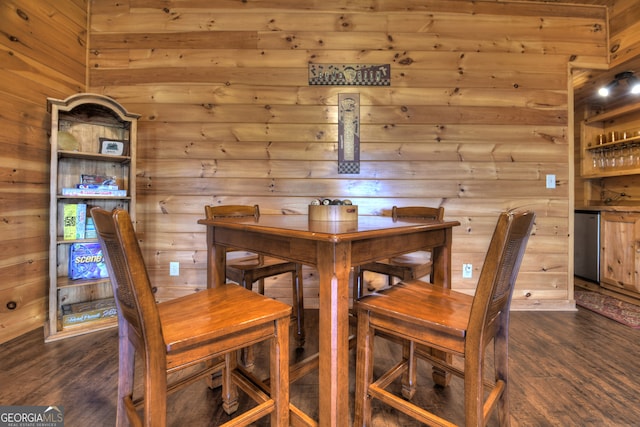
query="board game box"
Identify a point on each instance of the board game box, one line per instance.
(86, 262)
(74, 219)
(74, 314)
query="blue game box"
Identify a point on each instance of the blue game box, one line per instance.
(86, 261)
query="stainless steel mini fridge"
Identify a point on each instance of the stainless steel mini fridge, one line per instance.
(586, 250)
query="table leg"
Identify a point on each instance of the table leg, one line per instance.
(334, 263)
(216, 261)
(441, 276)
(442, 262)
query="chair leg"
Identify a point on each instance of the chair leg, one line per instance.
(126, 361)
(409, 377)
(439, 376)
(501, 363)
(389, 280)
(155, 391)
(364, 371)
(298, 304)
(229, 389)
(248, 358)
(279, 372)
(473, 389)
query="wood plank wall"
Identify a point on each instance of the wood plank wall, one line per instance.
(624, 27)
(476, 115)
(43, 48)
(473, 123)
(624, 52)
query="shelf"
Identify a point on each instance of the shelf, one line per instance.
(65, 282)
(61, 241)
(594, 157)
(86, 196)
(612, 114)
(622, 142)
(90, 119)
(93, 156)
(606, 174)
(74, 331)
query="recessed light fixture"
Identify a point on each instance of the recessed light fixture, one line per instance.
(632, 81)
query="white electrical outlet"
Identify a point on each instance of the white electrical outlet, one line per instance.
(551, 181)
(174, 268)
(467, 271)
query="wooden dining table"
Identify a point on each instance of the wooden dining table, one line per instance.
(333, 248)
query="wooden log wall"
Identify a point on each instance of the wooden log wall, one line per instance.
(475, 118)
(43, 49)
(624, 28)
(624, 55)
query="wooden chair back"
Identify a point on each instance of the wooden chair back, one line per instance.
(255, 267)
(436, 323)
(235, 211)
(232, 211)
(191, 330)
(422, 212)
(129, 278)
(492, 300)
(403, 267)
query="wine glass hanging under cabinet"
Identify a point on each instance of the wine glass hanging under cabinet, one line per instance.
(610, 143)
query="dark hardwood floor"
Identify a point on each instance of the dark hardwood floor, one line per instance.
(567, 369)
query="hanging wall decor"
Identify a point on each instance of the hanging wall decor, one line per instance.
(349, 104)
(350, 74)
(349, 133)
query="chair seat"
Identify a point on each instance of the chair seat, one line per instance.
(213, 314)
(413, 260)
(422, 311)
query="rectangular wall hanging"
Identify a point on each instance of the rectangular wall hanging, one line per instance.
(349, 133)
(350, 74)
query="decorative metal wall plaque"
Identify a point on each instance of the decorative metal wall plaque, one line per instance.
(348, 133)
(350, 74)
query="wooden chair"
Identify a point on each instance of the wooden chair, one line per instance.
(404, 267)
(255, 268)
(428, 317)
(189, 332)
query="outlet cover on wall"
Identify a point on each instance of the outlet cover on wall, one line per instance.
(467, 271)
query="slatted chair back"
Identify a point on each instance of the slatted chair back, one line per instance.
(129, 279)
(492, 300)
(232, 211)
(421, 212)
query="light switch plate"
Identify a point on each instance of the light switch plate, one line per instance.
(174, 268)
(551, 181)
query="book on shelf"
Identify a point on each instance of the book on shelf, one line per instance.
(98, 179)
(90, 229)
(97, 187)
(90, 311)
(93, 192)
(86, 261)
(74, 221)
(80, 307)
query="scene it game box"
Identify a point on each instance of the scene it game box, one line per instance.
(86, 261)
